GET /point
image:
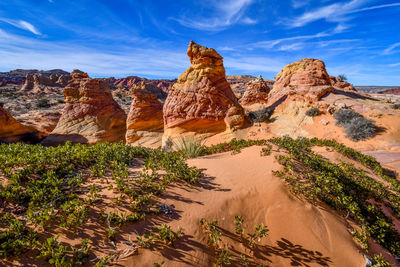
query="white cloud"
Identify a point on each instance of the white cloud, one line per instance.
(273, 43)
(227, 13)
(22, 24)
(394, 65)
(390, 49)
(337, 12)
(299, 3)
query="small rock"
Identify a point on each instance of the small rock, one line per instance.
(324, 122)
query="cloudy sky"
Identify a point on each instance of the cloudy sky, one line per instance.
(360, 38)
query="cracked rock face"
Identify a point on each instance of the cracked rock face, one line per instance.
(202, 99)
(305, 80)
(145, 115)
(90, 114)
(256, 92)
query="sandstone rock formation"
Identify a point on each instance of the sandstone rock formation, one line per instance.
(202, 100)
(145, 116)
(160, 88)
(337, 83)
(90, 114)
(238, 83)
(13, 131)
(40, 83)
(28, 85)
(257, 92)
(305, 80)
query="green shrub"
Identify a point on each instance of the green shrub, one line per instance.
(262, 115)
(312, 112)
(394, 106)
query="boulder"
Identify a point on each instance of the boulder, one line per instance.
(305, 80)
(256, 92)
(90, 114)
(337, 83)
(202, 101)
(145, 116)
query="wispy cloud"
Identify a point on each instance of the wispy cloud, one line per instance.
(394, 65)
(300, 3)
(227, 13)
(390, 49)
(337, 12)
(273, 43)
(22, 24)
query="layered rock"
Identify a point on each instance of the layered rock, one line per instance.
(39, 82)
(305, 80)
(145, 118)
(238, 83)
(12, 130)
(337, 83)
(90, 114)
(29, 84)
(202, 100)
(256, 92)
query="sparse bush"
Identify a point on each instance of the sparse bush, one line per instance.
(312, 112)
(261, 115)
(394, 106)
(342, 77)
(43, 103)
(60, 101)
(1, 104)
(357, 127)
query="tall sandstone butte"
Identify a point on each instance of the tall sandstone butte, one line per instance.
(90, 114)
(256, 92)
(146, 113)
(305, 80)
(12, 130)
(202, 100)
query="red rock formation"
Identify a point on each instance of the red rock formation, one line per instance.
(202, 100)
(28, 85)
(335, 82)
(13, 131)
(305, 80)
(160, 88)
(257, 92)
(145, 115)
(90, 114)
(238, 83)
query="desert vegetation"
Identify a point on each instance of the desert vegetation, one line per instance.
(47, 188)
(356, 126)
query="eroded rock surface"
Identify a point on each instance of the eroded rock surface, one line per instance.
(257, 92)
(202, 100)
(145, 117)
(90, 114)
(12, 130)
(305, 80)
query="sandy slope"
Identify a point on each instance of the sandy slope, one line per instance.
(242, 184)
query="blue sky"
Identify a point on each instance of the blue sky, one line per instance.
(360, 38)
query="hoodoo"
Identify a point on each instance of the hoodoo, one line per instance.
(202, 100)
(90, 114)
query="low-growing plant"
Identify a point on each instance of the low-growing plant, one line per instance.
(224, 258)
(211, 229)
(43, 103)
(238, 221)
(167, 235)
(258, 235)
(312, 112)
(266, 151)
(395, 106)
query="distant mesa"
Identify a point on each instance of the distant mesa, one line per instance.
(257, 92)
(202, 100)
(145, 118)
(18, 76)
(393, 91)
(90, 114)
